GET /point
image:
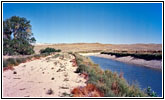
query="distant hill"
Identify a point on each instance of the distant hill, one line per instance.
(74, 47)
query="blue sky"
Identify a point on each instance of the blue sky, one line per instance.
(114, 23)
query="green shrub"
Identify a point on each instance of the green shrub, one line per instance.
(58, 50)
(5, 63)
(18, 60)
(12, 61)
(29, 58)
(82, 68)
(93, 76)
(134, 91)
(37, 56)
(49, 50)
(23, 59)
(150, 92)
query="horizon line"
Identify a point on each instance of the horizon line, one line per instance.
(98, 43)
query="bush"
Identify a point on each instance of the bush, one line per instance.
(12, 61)
(58, 50)
(19, 60)
(22, 60)
(5, 63)
(82, 68)
(49, 50)
(37, 56)
(150, 92)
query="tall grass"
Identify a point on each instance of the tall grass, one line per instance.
(16, 61)
(109, 83)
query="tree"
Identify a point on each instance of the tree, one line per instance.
(17, 36)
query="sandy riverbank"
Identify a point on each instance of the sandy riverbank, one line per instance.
(45, 77)
(156, 64)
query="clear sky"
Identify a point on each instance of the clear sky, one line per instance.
(114, 23)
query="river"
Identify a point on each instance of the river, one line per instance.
(133, 74)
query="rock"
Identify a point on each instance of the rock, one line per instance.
(50, 91)
(14, 72)
(52, 78)
(66, 79)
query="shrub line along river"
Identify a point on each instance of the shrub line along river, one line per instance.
(134, 74)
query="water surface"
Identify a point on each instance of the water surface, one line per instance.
(133, 74)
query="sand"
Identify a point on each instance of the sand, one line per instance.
(156, 64)
(36, 78)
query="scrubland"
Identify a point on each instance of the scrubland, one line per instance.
(70, 74)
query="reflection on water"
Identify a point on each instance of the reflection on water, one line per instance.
(133, 73)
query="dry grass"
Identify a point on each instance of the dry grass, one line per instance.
(88, 91)
(9, 63)
(93, 47)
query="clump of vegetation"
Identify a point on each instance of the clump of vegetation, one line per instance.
(49, 50)
(66, 95)
(16, 61)
(37, 56)
(156, 56)
(5, 63)
(150, 92)
(17, 36)
(88, 91)
(10, 62)
(109, 83)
